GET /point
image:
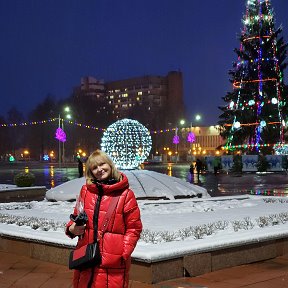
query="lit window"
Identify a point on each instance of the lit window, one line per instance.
(139, 93)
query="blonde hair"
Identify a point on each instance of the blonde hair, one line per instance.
(95, 159)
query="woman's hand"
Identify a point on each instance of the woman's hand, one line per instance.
(77, 230)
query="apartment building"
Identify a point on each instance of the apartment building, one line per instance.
(159, 97)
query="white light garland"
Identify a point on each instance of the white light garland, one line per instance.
(127, 142)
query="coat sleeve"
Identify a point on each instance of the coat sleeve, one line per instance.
(75, 212)
(133, 224)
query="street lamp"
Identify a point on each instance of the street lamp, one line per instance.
(182, 122)
(26, 155)
(198, 117)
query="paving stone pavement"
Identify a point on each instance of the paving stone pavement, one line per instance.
(18, 271)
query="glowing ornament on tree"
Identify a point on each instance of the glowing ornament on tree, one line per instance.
(281, 149)
(237, 125)
(127, 142)
(251, 102)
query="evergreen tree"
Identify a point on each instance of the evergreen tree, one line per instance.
(262, 164)
(15, 135)
(254, 113)
(41, 138)
(237, 164)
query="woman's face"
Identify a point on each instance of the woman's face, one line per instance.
(102, 171)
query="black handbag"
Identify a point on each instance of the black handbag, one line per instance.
(85, 257)
(88, 256)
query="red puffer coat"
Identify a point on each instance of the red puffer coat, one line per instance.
(118, 242)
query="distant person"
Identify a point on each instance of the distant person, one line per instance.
(80, 167)
(191, 169)
(216, 165)
(198, 166)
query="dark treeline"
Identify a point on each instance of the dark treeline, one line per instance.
(39, 139)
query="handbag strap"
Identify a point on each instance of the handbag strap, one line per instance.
(108, 215)
(96, 212)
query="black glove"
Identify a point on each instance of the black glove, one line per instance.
(80, 219)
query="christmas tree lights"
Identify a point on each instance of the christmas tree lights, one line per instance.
(255, 109)
(127, 142)
(281, 149)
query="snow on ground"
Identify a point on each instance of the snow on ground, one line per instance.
(4, 187)
(171, 227)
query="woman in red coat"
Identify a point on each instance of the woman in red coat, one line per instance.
(118, 242)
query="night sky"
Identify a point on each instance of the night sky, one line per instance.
(48, 45)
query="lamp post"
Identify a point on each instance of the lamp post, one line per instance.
(61, 136)
(182, 123)
(197, 118)
(176, 139)
(59, 141)
(68, 116)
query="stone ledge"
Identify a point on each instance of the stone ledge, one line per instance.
(155, 272)
(23, 194)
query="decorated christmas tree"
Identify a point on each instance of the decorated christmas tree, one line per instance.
(254, 116)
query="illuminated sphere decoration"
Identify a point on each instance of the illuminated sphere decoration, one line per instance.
(127, 142)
